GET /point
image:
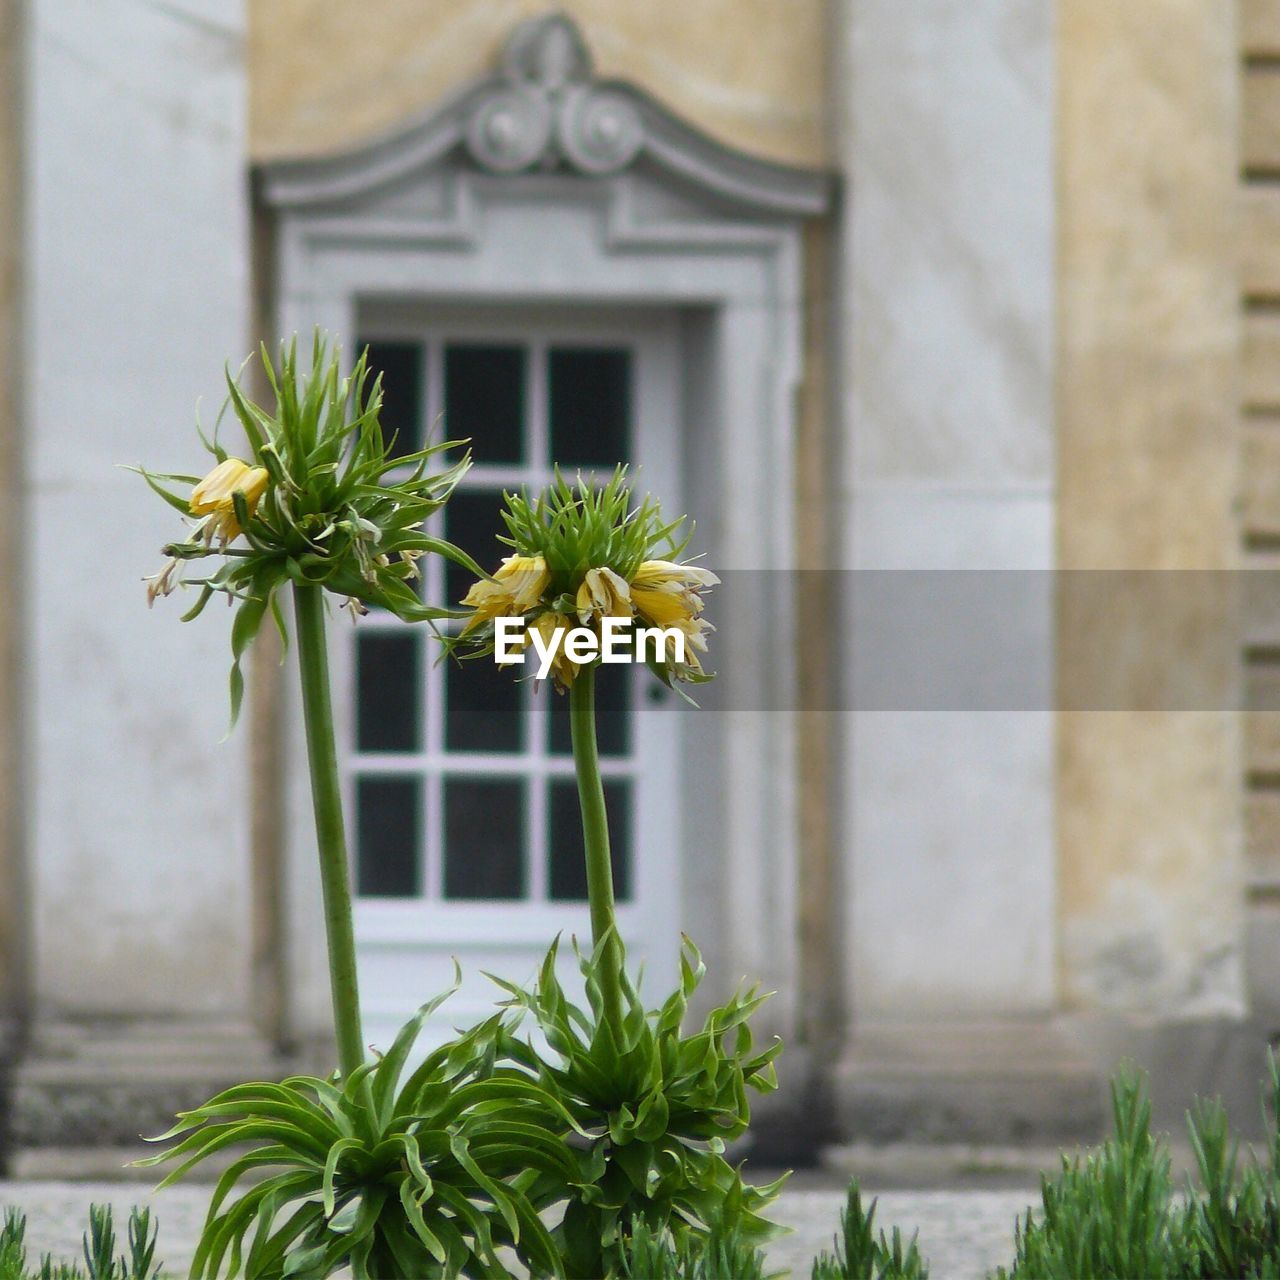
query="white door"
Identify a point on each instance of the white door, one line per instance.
(464, 819)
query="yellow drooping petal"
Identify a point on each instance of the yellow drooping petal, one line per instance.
(515, 588)
(666, 594)
(665, 608)
(214, 496)
(666, 575)
(526, 579)
(217, 486)
(603, 594)
(563, 668)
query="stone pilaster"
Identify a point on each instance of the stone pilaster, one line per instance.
(947, 142)
(1150, 874)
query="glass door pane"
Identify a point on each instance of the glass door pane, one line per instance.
(482, 806)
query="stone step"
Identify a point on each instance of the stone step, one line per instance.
(80, 1086)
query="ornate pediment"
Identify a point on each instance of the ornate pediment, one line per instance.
(544, 110)
(547, 109)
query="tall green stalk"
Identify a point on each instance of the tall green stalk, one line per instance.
(595, 837)
(322, 756)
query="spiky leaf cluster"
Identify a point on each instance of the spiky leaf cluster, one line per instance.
(341, 510)
(657, 1107)
(579, 527)
(426, 1178)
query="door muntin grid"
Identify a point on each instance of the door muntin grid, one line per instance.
(461, 776)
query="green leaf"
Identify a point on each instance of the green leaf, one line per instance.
(334, 1158)
(387, 1074)
(178, 503)
(418, 1223)
(196, 609)
(255, 422)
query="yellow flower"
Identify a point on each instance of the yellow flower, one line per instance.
(214, 496)
(563, 668)
(666, 594)
(514, 590)
(603, 594)
(695, 639)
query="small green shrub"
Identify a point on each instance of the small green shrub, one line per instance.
(1116, 1212)
(1109, 1213)
(13, 1250)
(99, 1244)
(1230, 1228)
(863, 1254)
(719, 1255)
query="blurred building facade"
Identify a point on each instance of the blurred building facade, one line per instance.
(863, 285)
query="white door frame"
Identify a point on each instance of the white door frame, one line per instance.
(620, 241)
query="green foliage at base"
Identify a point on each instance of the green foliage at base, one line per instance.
(101, 1260)
(861, 1253)
(654, 1108)
(1116, 1212)
(425, 1178)
(492, 1154)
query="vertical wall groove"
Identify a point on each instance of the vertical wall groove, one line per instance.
(13, 941)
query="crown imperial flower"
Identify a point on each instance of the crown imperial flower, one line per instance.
(321, 501)
(588, 553)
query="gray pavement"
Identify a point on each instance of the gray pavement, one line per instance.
(963, 1233)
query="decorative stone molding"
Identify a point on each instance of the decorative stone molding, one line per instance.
(544, 111)
(550, 111)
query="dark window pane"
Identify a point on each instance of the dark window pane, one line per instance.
(484, 839)
(388, 820)
(387, 693)
(568, 879)
(473, 521)
(613, 713)
(484, 708)
(484, 400)
(400, 364)
(590, 406)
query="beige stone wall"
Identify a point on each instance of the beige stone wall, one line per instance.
(12, 943)
(1150, 868)
(326, 75)
(1260, 445)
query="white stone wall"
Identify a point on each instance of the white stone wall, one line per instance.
(138, 278)
(946, 137)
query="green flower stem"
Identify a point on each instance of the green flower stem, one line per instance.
(595, 836)
(313, 662)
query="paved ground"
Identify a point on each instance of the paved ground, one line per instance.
(963, 1233)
